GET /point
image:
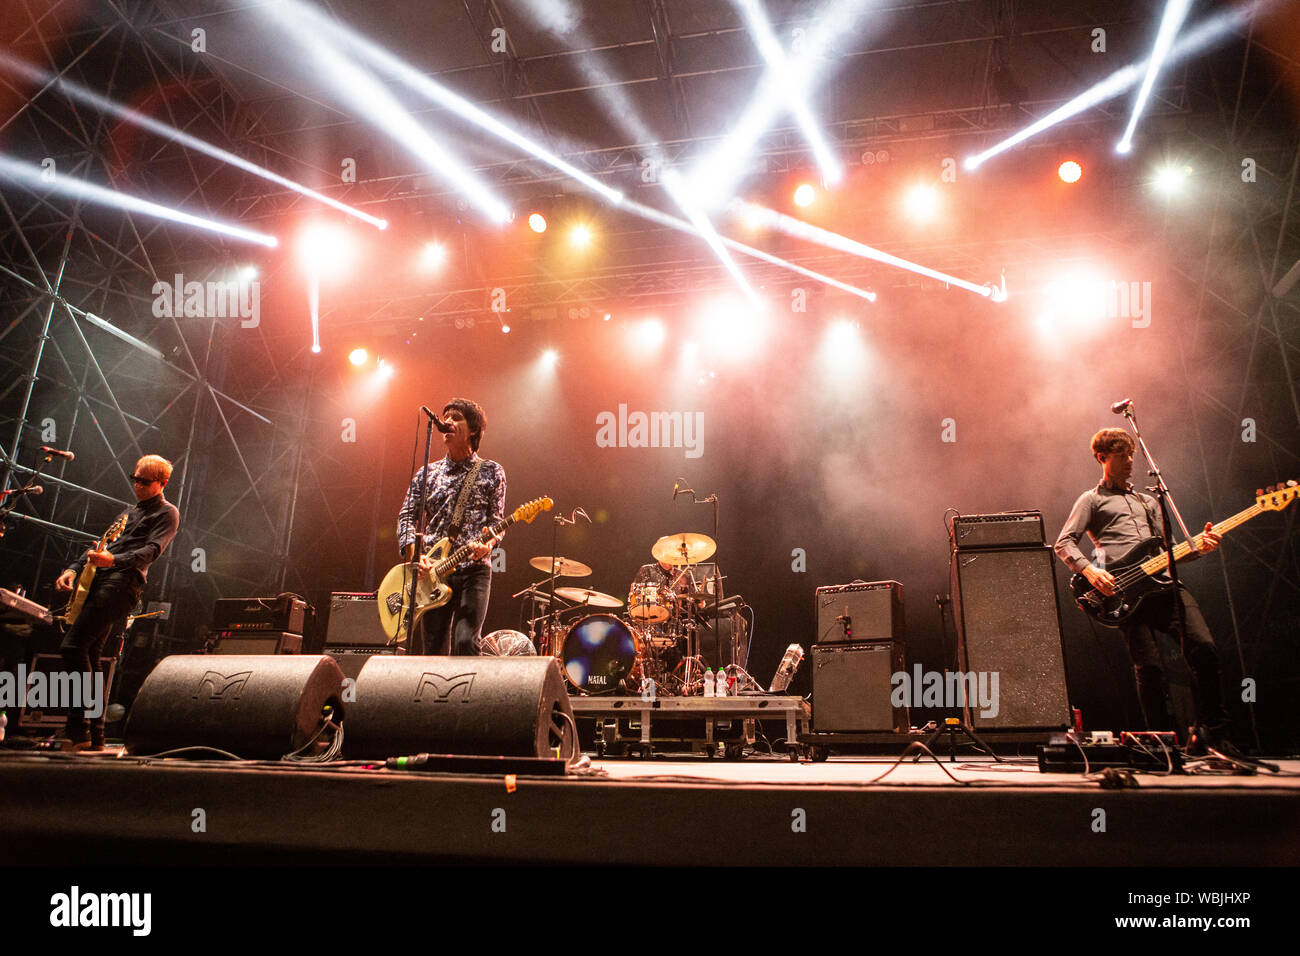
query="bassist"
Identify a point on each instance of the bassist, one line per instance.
(1117, 519)
(464, 493)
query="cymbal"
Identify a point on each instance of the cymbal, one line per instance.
(684, 548)
(589, 597)
(565, 567)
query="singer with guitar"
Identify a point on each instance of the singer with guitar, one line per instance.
(464, 493)
(1119, 519)
(108, 582)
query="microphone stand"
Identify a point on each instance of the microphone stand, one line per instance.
(417, 547)
(1167, 506)
(555, 543)
(17, 495)
(717, 583)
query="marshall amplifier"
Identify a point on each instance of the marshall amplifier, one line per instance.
(1010, 529)
(874, 611)
(255, 642)
(283, 613)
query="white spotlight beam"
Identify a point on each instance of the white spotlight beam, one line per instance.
(677, 190)
(93, 99)
(372, 100)
(802, 230)
(718, 172)
(1198, 38)
(760, 28)
(33, 177)
(439, 94)
(1175, 12)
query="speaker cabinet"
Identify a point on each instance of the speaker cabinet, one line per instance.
(1008, 622)
(50, 665)
(875, 611)
(480, 706)
(354, 621)
(257, 642)
(851, 687)
(254, 706)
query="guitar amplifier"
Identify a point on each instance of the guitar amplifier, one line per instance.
(255, 642)
(853, 687)
(352, 659)
(1010, 529)
(283, 613)
(354, 621)
(874, 609)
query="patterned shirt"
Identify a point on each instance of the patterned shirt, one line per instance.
(485, 506)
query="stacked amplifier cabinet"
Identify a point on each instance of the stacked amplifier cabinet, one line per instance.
(859, 647)
(266, 625)
(353, 634)
(1008, 620)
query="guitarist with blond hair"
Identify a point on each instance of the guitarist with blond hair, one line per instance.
(121, 568)
(463, 494)
(1118, 519)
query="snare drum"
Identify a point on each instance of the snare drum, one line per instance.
(649, 602)
(599, 653)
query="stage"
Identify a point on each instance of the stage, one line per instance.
(102, 810)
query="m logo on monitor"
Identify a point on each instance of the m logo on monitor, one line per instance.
(221, 687)
(439, 688)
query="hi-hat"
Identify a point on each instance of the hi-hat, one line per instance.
(589, 597)
(684, 548)
(565, 567)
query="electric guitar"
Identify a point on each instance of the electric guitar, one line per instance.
(87, 577)
(432, 590)
(1135, 573)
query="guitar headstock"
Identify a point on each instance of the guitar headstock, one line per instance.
(117, 528)
(531, 509)
(1276, 497)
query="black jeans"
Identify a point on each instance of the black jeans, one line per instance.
(1159, 613)
(111, 599)
(455, 627)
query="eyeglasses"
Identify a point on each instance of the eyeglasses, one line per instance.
(141, 480)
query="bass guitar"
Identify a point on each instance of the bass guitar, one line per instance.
(432, 590)
(87, 577)
(1136, 573)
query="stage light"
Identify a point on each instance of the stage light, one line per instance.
(434, 256)
(549, 358)
(386, 370)
(247, 273)
(325, 250)
(537, 223)
(580, 236)
(315, 347)
(358, 356)
(731, 328)
(921, 202)
(694, 211)
(608, 316)
(1069, 171)
(1171, 179)
(1175, 11)
(842, 356)
(804, 194)
(505, 328)
(650, 334)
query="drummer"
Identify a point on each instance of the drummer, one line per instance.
(665, 577)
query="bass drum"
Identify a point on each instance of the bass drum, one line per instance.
(599, 653)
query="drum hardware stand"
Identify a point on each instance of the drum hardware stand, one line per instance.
(953, 726)
(681, 488)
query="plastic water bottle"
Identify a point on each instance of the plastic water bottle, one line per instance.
(720, 685)
(4, 720)
(708, 683)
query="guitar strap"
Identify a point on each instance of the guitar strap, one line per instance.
(459, 514)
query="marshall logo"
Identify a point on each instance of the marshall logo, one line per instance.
(440, 688)
(221, 687)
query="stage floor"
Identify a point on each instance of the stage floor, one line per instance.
(92, 810)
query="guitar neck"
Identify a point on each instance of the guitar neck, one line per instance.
(1160, 562)
(461, 553)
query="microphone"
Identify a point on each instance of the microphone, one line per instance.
(681, 488)
(785, 672)
(57, 452)
(438, 423)
(33, 490)
(1121, 408)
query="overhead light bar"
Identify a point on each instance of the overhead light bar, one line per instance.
(1198, 38)
(802, 230)
(439, 94)
(760, 28)
(1175, 13)
(371, 100)
(34, 178)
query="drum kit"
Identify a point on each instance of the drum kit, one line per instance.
(659, 638)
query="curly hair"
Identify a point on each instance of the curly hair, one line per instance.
(474, 418)
(1110, 440)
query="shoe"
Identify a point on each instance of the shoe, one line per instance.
(70, 746)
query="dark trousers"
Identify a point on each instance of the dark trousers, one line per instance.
(110, 601)
(1159, 613)
(454, 628)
